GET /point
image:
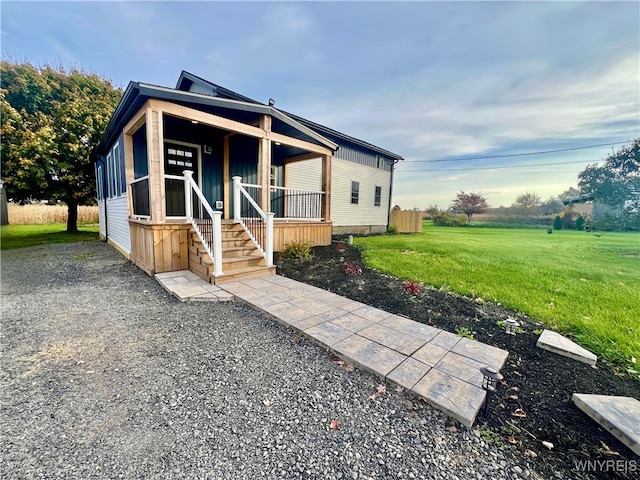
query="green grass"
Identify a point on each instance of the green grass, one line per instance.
(19, 236)
(574, 282)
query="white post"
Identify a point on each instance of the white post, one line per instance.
(217, 243)
(188, 193)
(268, 248)
(236, 198)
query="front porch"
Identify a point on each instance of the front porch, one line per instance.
(191, 175)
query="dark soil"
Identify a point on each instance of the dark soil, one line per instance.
(538, 382)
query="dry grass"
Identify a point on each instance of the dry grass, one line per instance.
(43, 214)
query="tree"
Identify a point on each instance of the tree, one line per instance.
(527, 202)
(550, 206)
(469, 203)
(51, 120)
(616, 181)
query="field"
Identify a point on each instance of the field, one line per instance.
(19, 236)
(36, 213)
(579, 283)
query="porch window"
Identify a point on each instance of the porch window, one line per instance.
(355, 192)
(377, 197)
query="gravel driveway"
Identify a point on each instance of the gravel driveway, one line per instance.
(104, 375)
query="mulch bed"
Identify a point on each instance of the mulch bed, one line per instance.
(536, 382)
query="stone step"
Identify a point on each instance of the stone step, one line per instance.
(556, 343)
(618, 415)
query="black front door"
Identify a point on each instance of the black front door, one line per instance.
(177, 159)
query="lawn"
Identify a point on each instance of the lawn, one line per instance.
(579, 283)
(19, 236)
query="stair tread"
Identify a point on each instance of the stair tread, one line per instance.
(242, 258)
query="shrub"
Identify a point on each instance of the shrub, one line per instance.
(461, 220)
(412, 287)
(443, 219)
(392, 230)
(580, 223)
(557, 223)
(351, 268)
(299, 251)
(549, 230)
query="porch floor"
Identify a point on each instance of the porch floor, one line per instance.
(437, 365)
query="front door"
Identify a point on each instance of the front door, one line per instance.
(178, 157)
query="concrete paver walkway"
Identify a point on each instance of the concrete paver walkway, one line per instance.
(439, 366)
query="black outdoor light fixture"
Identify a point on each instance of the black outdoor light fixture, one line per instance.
(490, 379)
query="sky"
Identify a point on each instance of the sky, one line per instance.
(440, 83)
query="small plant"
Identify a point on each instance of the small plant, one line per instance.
(549, 230)
(464, 332)
(538, 331)
(351, 268)
(580, 223)
(411, 287)
(392, 230)
(501, 324)
(298, 251)
(487, 435)
(340, 246)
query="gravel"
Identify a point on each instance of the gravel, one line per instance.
(104, 375)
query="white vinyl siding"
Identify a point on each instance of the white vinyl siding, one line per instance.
(343, 212)
(307, 175)
(118, 222)
(101, 216)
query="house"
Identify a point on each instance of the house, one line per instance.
(200, 177)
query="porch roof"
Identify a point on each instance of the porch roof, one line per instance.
(137, 93)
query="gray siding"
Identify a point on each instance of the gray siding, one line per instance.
(101, 217)
(369, 159)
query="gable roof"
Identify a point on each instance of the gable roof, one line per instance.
(187, 79)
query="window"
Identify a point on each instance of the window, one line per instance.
(355, 192)
(117, 170)
(110, 187)
(377, 197)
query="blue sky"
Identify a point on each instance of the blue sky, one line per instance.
(427, 80)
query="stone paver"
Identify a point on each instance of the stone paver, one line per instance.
(391, 338)
(408, 373)
(556, 343)
(441, 367)
(619, 415)
(187, 286)
(457, 398)
(369, 355)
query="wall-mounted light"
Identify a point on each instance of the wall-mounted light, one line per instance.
(195, 122)
(277, 144)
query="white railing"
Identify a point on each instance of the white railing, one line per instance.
(257, 223)
(209, 231)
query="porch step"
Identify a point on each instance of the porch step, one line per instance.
(246, 273)
(240, 258)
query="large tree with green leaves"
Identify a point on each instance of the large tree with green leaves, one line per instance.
(616, 182)
(51, 120)
(527, 203)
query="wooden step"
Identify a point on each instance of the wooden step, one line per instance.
(245, 274)
(234, 263)
(248, 250)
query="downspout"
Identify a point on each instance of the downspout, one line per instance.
(393, 167)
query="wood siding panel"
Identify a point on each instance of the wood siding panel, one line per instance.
(118, 223)
(160, 248)
(316, 233)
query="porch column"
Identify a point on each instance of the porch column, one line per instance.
(326, 187)
(264, 164)
(128, 170)
(155, 152)
(225, 176)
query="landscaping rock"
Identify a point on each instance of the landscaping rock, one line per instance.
(556, 343)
